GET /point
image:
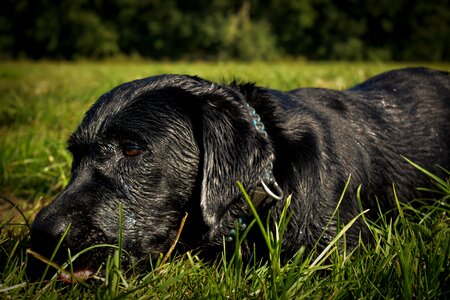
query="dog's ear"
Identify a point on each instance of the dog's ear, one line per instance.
(233, 150)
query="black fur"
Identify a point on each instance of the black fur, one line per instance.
(198, 141)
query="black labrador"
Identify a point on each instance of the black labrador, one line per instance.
(165, 145)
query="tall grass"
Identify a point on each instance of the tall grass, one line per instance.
(409, 258)
(41, 103)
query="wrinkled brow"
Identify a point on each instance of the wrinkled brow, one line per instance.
(114, 132)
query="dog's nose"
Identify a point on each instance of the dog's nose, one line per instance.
(46, 232)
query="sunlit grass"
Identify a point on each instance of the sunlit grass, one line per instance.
(41, 103)
(409, 258)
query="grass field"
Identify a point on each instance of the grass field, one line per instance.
(41, 103)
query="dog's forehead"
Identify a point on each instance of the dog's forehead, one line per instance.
(133, 101)
(120, 97)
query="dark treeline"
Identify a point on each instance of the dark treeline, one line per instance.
(211, 29)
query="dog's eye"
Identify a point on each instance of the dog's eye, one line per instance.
(132, 150)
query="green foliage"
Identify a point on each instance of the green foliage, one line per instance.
(238, 29)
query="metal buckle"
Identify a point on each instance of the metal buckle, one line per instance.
(278, 195)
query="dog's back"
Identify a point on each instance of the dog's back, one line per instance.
(364, 132)
(405, 111)
(416, 104)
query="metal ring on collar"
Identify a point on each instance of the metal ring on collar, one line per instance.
(270, 192)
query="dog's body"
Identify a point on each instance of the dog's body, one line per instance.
(171, 144)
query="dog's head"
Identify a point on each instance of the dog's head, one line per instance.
(145, 153)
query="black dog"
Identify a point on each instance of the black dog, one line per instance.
(171, 144)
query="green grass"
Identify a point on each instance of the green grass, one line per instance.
(41, 103)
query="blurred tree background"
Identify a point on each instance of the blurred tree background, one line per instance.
(226, 29)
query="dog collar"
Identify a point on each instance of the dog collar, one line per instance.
(268, 186)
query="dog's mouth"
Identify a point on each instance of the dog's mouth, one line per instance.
(80, 275)
(68, 274)
(87, 266)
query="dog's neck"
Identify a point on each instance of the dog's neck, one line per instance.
(268, 186)
(267, 189)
